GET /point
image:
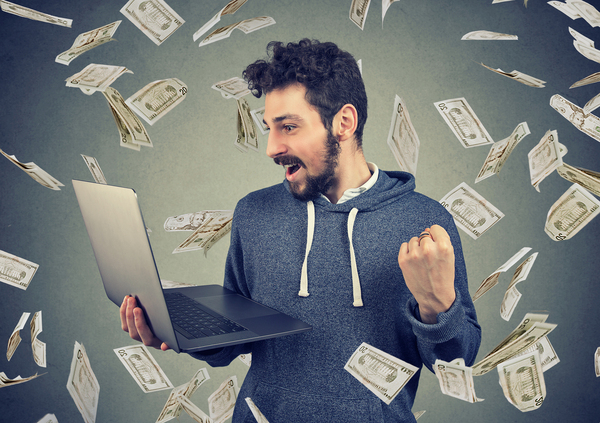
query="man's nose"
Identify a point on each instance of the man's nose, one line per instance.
(275, 145)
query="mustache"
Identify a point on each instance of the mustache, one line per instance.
(288, 160)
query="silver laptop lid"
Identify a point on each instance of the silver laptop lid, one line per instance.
(117, 232)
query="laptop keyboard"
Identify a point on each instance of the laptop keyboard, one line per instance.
(192, 321)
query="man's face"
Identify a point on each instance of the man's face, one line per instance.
(299, 141)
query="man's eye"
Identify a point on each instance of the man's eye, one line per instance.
(288, 128)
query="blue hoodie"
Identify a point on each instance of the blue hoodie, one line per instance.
(335, 267)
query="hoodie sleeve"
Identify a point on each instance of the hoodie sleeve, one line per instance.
(236, 281)
(456, 333)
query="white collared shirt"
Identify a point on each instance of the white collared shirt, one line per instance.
(350, 193)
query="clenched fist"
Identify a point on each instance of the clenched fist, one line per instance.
(427, 263)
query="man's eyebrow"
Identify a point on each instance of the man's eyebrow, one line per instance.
(297, 118)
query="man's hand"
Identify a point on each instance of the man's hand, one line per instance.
(427, 263)
(133, 322)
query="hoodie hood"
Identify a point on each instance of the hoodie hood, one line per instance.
(390, 186)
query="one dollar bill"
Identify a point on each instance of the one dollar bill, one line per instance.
(144, 369)
(83, 384)
(571, 213)
(472, 213)
(16, 271)
(522, 381)
(463, 122)
(456, 380)
(382, 373)
(157, 99)
(28, 13)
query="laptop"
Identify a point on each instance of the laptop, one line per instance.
(188, 319)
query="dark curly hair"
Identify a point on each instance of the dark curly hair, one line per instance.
(330, 75)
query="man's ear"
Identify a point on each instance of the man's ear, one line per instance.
(345, 122)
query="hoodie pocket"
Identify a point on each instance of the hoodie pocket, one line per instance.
(283, 405)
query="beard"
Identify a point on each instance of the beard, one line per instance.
(321, 182)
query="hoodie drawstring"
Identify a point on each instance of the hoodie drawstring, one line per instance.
(309, 238)
(355, 280)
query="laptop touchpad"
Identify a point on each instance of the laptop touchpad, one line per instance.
(235, 306)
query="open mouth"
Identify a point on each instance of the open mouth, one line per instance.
(291, 164)
(291, 169)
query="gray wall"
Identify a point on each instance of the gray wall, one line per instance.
(194, 166)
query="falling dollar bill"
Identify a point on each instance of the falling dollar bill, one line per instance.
(526, 323)
(190, 221)
(500, 151)
(566, 8)
(471, 212)
(143, 368)
(240, 139)
(456, 379)
(96, 77)
(418, 414)
(522, 381)
(222, 401)
(585, 10)
(359, 10)
(544, 158)
(403, 139)
(588, 179)
(247, 134)
(172, 408)
(258, 415)
(382, 373)
(28, 13)
(38, 347)
(590, 79)
(246, 26)
(488, 35)
(207, 234)
(512, 295)
(521, 77)
(571, 213)
(597, 362)
(48, 418)
(6, 381)
(385, 5)
(229, 9)
(16, 271)
(258, 116)
(83, 385)
(548, 357)
(232, 88)
(586, 122)
(37, 173)
(585, 46)
(194, 411)
(15, 338)
(125, 136)
(492, 280)
(135, 127)
(592, 104)
(463, 122)
(532, 328)
(87, 41)
(157, 99)
(94, 168)
(155, 18)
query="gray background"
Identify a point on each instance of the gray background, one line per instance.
(194, 166)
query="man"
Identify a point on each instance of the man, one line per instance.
(349, 249)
